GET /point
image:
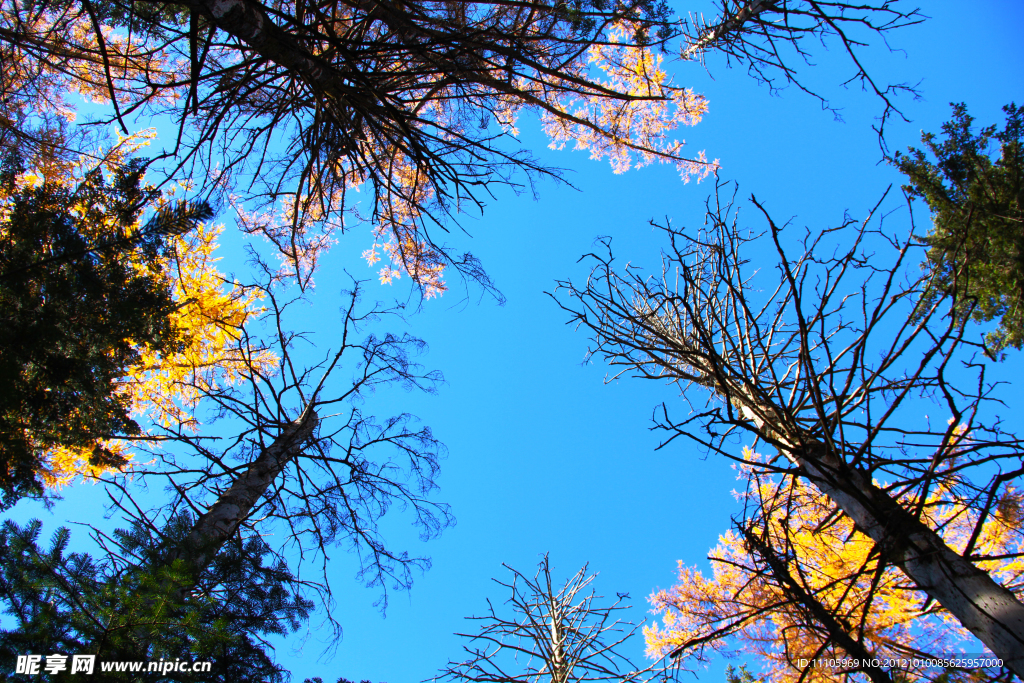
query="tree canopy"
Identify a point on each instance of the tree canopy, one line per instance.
(289, 107)
(83, 293)
(976, 241)
(283, 109)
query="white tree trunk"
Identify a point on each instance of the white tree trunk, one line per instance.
(727, 24)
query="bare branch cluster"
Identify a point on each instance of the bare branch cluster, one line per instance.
(562, 635)
(834, 366)
(305, 101)
(284, 108)
(287, 448)
(770, 37)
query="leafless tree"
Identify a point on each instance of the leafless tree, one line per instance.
(770, 38)
(561, 635)
(287, 447)
(831, 365)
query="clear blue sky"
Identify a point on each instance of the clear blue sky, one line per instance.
(543, 455)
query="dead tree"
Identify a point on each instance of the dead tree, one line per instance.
(287, 446)
(561, 635)
(826, 365)
(770, 38)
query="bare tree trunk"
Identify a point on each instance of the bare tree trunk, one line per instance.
(703, 330)
(248, 22)
(989, 611)
(221, 521)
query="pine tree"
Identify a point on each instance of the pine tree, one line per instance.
(976, 243)
(129, 606)
(82, 295)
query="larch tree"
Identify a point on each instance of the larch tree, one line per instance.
(86, 296)
(830, 366)
(114, 312)
(797, 583)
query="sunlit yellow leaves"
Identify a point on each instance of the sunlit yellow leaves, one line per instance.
(630, 121)
(211, 315)
(63, 465)
(744, 608)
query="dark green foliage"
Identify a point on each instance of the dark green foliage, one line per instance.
(133, 606)
(77, 302)
(976, 244)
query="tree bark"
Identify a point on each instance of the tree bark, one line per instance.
(233, 506)
(728, 24)
(985, 608)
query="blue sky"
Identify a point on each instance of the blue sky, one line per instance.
(544, 456)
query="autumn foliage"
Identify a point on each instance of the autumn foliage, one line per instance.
(748, 606)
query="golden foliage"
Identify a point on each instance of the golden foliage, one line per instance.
(743, 607)
(211, 315)
(638, 125)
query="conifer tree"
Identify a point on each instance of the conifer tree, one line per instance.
(83, 293)
(127, 605)
(976, 241)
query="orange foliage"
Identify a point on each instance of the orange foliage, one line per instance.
(52, 50)
(743, 608)
(211, 315)
(614, 99)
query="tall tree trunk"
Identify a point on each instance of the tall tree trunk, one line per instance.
(985, 608)
(988, 610)
(221, 521)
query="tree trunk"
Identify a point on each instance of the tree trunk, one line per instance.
(247, 21)
(989, 611)
(233, 506)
